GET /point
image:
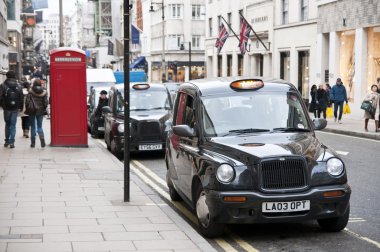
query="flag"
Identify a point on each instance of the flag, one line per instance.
(222, 37)
(244, 34)
(135, 35)
(39, 16)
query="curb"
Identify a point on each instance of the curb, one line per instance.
(360, 134)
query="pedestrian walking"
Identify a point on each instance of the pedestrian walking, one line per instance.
(313, 103)
(103, 101)
(378, 91)
(36, 104)
(328, 90)
(322, 101)
(374, 97)
(11, 99)
(338, 96)
(25, 124)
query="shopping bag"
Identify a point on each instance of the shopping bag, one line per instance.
(346, 109)
(329, 112)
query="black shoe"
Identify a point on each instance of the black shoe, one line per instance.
(11, 146)
(33, 144)
(43, 144)
(6, 144)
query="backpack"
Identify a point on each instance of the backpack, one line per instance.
(11, 96)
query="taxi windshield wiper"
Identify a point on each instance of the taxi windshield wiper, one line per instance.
(243, 131)
(157, 108)
(139, 109)
(291, 129)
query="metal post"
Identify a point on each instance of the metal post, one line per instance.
(126, 104)
(60, 24)
(189, 60)
(163, 44)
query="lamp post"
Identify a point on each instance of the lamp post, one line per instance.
(183, 48)
(163, 78)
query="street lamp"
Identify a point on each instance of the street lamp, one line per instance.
(163, 37)
(183, 48)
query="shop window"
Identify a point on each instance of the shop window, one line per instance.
(373, 56)
(229, 65)
(240, 65)
(285, 65)
(285, 11)
(347, 61)
(219, 65)
(303, 73)
(261, 65)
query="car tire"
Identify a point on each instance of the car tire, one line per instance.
(335, 224)
(107, 143)
(119, 154)
(174, 196)
(207, 226)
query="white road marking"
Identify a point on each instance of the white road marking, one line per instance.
(221, 242)
(102, 143)
(360, 138)
(353, 221)
(343, 153)
(377, 244)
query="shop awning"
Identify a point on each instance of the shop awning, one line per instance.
(140, 62)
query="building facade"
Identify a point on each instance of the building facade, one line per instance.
(14, 35)
(170, 27)
(4, 43)
(348, 43)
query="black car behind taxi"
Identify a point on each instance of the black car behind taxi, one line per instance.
(150, 108)
(245, 151)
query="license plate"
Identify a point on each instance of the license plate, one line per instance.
(150, 147)
(285, 207)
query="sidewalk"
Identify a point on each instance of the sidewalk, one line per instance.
(71, 199)
(351, 127)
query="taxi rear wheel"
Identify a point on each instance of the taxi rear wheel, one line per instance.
(335, 224)
(208, 227)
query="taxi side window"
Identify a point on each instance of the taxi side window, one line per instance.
(185, 112)
(110, 101)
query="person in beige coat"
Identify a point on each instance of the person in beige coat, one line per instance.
(374, 97)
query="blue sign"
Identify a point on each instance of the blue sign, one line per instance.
(135, 35)
(40, 4)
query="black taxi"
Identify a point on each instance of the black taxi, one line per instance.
(245, 151)
(150, 108)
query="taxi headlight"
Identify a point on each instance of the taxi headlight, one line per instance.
(334, 166)
(120, 128)
(225, 173)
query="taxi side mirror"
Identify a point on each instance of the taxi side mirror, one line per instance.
(319, 123)
(184, 131)
(106, 109)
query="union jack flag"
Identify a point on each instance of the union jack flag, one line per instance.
(223, 35)
(244, 35)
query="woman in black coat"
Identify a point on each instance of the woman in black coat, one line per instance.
(322, 101)
(313, 104)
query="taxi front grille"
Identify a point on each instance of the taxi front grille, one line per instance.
(284, 173)
(149, 131)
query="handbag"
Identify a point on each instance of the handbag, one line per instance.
(367, 106)
(31, 107)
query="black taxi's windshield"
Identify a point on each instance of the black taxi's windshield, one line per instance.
(144, 100)
(249, 112)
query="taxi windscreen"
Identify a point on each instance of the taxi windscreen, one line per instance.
(253, 112)
(144, 100)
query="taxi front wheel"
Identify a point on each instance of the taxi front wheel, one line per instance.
(335, 224)
(207, 225)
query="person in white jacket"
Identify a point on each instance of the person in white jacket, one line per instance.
(374, 97)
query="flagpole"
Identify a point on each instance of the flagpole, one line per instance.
(230, 28)
(257, 36)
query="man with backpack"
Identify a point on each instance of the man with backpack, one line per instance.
(12, 101)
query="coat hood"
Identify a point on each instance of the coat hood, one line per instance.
(38, 91)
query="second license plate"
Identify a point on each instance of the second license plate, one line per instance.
(150, 147)
(283, 207)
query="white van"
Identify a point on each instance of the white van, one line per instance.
(103, 77)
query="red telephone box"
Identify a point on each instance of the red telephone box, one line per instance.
(68, 97)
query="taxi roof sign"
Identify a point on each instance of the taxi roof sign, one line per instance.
(252, 84)
(141, 86)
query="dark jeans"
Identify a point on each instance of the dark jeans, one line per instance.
(10, 118)
(25, 122)
(33, 120)
(340, 106)
(322, 111)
